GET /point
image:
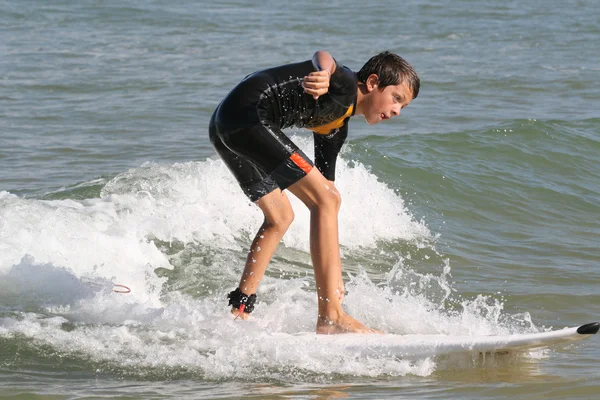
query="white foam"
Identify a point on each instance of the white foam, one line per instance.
(60, 258)
(202, 202)
(91, 238)
(6, 195)
(196, 202)
(200, 336)
(428, 299)
(371, 211)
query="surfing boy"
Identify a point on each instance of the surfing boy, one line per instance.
(246, 130)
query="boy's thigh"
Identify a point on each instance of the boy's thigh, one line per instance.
(263, 158)
(254, 182)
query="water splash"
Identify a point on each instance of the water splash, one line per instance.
(176, 235)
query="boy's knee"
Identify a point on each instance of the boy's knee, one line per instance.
(282, 219)
(330, 199)
(287, 217)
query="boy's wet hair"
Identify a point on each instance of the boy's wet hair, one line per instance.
(391, 69)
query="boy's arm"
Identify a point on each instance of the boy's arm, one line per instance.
(323, 61)
(317, 82)
(327, 148)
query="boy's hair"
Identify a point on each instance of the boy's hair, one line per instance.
(391, 69)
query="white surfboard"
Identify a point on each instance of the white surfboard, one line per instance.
(432, 345)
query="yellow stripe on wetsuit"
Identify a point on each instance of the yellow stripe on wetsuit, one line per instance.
(338, 123)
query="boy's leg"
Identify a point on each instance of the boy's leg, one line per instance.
(261, 155)
(323, 201)
(259, 158)
(278, 216)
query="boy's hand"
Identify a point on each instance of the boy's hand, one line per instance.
(317, 83)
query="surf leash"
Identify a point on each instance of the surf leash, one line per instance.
(241, 310)
(118, 288)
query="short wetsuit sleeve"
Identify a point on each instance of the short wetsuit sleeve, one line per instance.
(327, 148)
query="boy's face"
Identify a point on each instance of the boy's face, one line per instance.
(382, 104)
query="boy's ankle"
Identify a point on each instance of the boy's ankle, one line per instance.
(330, 315)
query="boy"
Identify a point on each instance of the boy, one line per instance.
(246, 130)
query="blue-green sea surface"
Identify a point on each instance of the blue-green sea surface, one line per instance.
(475, 212)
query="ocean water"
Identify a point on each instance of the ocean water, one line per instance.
(475, 212)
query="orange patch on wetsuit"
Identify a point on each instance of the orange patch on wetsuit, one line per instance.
(301, 162)
(338, 123)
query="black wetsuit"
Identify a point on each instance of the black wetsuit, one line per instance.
(246, 128)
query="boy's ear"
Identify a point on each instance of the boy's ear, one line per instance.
(372, 82)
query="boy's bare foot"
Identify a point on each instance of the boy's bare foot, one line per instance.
(242, 315)
(342, 324)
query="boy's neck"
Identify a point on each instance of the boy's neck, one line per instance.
(360, 98)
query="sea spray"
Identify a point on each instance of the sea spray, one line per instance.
(177, 235)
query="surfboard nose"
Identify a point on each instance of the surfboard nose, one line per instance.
(589, 329)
